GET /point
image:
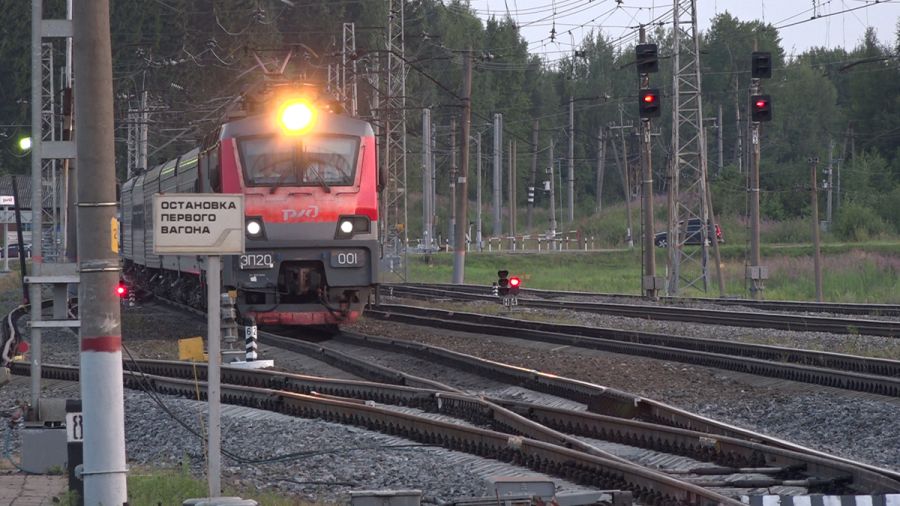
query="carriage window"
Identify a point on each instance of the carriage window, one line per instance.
(307, 161)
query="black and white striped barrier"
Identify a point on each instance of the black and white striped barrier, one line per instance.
(822, 500)
(250, 342)
(251, 360)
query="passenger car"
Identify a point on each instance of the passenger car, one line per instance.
(693, 236)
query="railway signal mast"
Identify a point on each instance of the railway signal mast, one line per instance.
(649, 107)
(760, 110)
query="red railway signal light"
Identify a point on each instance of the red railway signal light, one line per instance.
(514, 284)
(121, 290)
(648, 105)
(760, 108)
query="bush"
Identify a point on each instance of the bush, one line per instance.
(888, 207)
(796, 230)
(859, 223)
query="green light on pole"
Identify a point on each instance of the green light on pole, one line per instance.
(25, 143)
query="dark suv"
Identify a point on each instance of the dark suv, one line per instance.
(692, 234)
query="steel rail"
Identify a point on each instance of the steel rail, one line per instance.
(598, 399)
(753, 319)
(821, 359)
(759, 360)
(851, 308)
(647, 486)
(550, 425)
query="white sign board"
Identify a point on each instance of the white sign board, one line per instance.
(7, 200)
(198, 224)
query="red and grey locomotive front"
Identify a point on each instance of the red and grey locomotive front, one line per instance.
(309, 178)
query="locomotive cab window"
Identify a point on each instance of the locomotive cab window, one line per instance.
(323, 160)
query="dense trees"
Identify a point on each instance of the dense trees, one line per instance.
(193, 56)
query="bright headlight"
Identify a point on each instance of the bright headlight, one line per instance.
(296, 116)
(253, 227)
(346, 226)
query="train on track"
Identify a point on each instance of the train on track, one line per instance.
(310, 181)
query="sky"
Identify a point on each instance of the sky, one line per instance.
(838, 23)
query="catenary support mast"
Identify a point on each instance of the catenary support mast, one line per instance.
(98, 264)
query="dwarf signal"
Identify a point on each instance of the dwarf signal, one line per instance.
(514, 284)
(502, 283)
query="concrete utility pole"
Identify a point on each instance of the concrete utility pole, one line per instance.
(626, 180)
(459, 251)
(601, 162)
(451, 227)
(552, 233)
(830, 183)
(511, 187)
(478, 237)
(427, 180)
(719, 142)
(98, 263)
(814, 196)
(498, 170)
(571, 186)
(535, 131)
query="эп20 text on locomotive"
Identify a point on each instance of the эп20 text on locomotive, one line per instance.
(309, 178)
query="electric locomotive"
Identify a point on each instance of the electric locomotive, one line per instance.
(310, 182)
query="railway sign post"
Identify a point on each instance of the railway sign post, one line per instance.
(211, 225)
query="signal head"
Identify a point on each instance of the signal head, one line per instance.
(121, 290)
(760, 108)
(648, 105)
(647, 60)
(761, 64)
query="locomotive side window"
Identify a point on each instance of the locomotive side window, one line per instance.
(325, 160)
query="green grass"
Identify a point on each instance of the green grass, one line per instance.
(168, 487)
(862, 272)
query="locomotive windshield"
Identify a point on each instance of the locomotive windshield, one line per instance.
(324, 160)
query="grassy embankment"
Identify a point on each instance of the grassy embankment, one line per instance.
(851, 273)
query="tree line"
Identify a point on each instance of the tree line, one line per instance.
(195, 56)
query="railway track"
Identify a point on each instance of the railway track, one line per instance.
(871, 375)
(551, 440)
(849, 308)
(754, 319)
(545, 439)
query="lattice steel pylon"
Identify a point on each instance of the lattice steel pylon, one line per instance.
(393, 217)
(50, 235)
(348, 65)
(687, 266)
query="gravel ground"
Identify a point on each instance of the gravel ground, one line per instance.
(869, 346)
(857, 426)
(861, 427)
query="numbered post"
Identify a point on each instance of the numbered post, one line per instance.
(74, 445)
(250, 341)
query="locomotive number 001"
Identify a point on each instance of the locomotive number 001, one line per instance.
(257, 261)
(349, 258)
